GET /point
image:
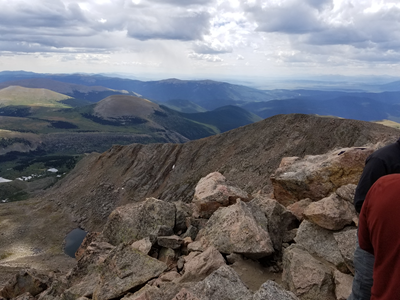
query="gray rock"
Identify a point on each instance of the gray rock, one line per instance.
(321, 242)
(25, 281)
(183, 211)
(305, 276)
(191, 232)
(347, 241)
(172, 242)
(135, 221)
(124, 269)
(276, 219)
(234, 229)
(346, 192)
(343, 285)
(223, 283)
(270, 290)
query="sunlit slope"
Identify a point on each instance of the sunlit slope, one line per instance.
(18, 96)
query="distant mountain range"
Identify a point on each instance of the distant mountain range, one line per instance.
(192, 96)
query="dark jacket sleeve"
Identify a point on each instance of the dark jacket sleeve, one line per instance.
(373, 170)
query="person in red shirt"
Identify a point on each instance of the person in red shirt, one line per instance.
(379, 234)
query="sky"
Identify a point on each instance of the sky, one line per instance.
(202, 38)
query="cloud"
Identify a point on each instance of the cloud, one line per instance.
(206, 57)
(215, 47)
(183, 2)
(184, 27)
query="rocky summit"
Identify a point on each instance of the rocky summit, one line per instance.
(261, 212)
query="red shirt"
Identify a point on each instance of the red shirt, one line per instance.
(379, 234)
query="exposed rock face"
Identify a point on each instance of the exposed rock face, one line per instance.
(305, 276)
(343, 283)
(347, 241)
(270, 290)
(234, 229)
(320, 241)
(298, 208)
(223, 283)
(202, 265)
(135, 221)
(213, 192)
(246, 156)
(277, 220)
(124, 269)
(316, 177)
(24, 283)
(331, 213)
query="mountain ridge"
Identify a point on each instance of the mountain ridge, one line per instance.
(246, 156)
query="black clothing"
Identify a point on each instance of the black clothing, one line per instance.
(382, 162)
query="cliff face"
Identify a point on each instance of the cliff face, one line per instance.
(246, 156)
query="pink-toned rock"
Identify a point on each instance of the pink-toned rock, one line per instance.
(199, 266)
(317, 176)
(143, 245)
(332, 213)
(234, 229)
(213, 192)
(89, 238)
(343, 285)
(305, 276)
(298, 208)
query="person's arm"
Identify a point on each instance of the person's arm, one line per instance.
(373, 170)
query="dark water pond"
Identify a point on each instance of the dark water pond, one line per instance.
(73, 240)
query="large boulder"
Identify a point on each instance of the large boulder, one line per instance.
(343, 285)
(276, 219)
(270, 290)
(135, 221)
(223, 283)
(26, 281)
(212, 192)
(347, 242)
(307, 277)
(234, 229)
(320, 242)
(200, 265)
(317, 176)
(124, 269)
(332, 213)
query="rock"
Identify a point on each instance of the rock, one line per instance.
(305, 276)
(135, 221)
(331, 213)
(172, 242)
(185, 294)
(277, 220)
(183, 211)
(89, 238)
(143, 245)
(212, 192)
(199, 266)
(234, 229)
(298, 208)
(321, 242)
(223, 283)
(26, 281)
(191, 232)
(25, 296)
(124, 269)
(167, 256)
(347, 241)
(270, 290)
(343, 284)
(317, 176)
(346, 192)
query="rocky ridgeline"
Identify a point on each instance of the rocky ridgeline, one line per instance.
(304, 237)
